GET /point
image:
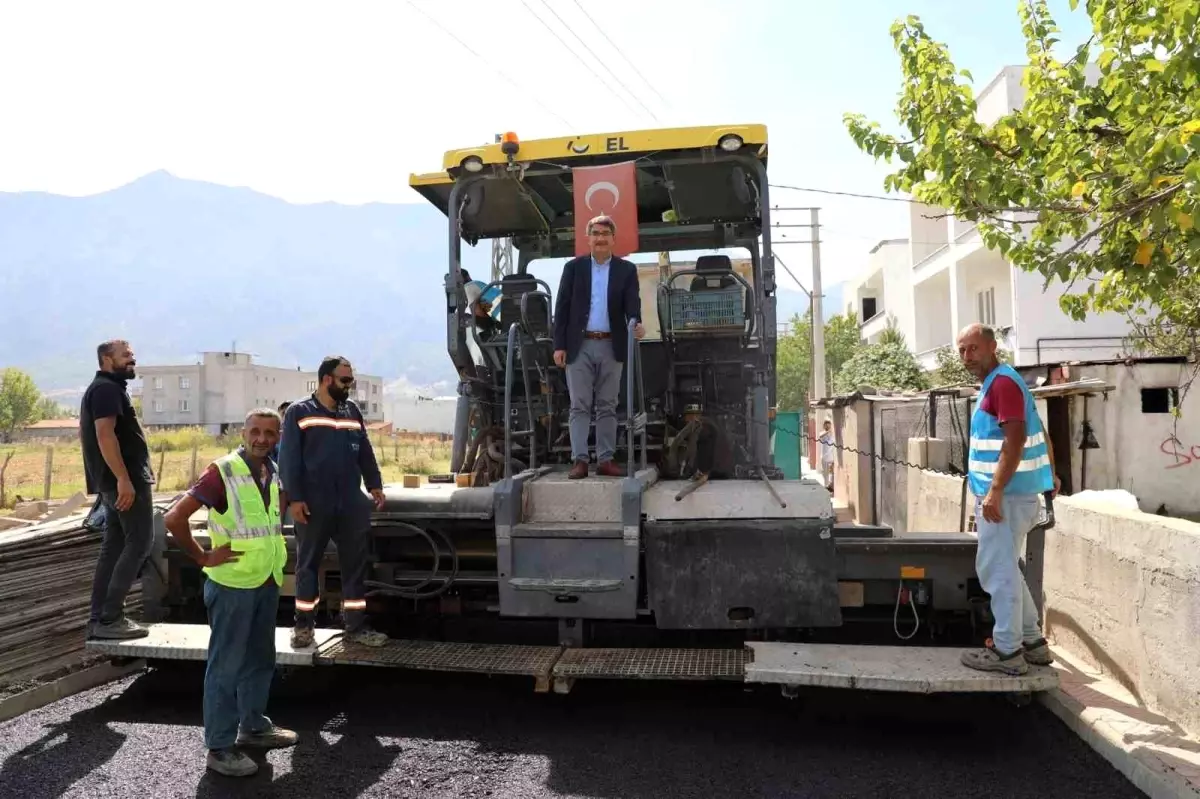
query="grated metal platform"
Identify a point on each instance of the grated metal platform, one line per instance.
(190, 642)
(906, 669)
(535, 661)
(653, 664)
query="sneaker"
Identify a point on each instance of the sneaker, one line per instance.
(1038, 652)
(302, 637)
(231, 763)
(123, 628)
(271, 738)
(992, 659)
(366, 636)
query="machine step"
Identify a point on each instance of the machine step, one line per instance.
(532, 661)
(652, 664)
(190, 642)
(905, 669)
(567, 530)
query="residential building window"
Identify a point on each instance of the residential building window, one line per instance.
(987, 306)
(870, 308)
(184, 407)
(158, 383)
(158, 406)
(374, 407)
(185, 382)
(1159, 400)
(375, 388)
(312, 385)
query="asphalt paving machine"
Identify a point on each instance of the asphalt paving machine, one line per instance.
(702, 561)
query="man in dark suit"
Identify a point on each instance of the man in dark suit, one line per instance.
(597, 296)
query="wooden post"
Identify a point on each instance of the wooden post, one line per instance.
(162, 456)
(192, 473)
(3, 469)
(46, 479)
(396, 450)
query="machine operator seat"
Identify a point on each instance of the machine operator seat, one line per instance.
(716, 272)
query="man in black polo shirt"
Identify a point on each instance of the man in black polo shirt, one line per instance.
(116, 464)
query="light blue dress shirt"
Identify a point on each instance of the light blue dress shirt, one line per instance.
(598, 311)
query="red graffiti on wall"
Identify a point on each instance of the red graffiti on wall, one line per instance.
(1184, 456)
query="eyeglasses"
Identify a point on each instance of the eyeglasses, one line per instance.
(346, 381)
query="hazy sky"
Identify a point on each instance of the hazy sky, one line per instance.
(341, 101)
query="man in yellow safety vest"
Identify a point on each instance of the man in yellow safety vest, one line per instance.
(244, 571)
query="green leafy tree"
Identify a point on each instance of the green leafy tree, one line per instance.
(48, 408)
(19, 400)
(883, 366)
(793, 356)
(1095, 183)
(950, 370)
(793, 365)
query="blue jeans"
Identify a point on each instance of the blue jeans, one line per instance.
(1001, 545)
(241, 660)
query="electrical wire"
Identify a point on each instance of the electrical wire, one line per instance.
(896, 615)
(638, 72)
(908, 200)
(586, 47)
(531, 95)
(576, 56)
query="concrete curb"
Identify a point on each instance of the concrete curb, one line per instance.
(66, 686)
(1142, 768)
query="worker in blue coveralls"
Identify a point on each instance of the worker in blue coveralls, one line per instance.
(325, 457)
(1010, 465)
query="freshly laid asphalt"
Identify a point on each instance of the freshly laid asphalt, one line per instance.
(380, 732)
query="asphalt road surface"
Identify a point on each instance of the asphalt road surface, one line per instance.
(380, 732)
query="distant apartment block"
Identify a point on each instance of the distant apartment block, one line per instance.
(217, 392)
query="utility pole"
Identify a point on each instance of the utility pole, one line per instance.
(502, 256)
(502, 253)
(818, 318)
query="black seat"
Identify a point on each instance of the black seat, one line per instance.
(513, 288)
(715, 272)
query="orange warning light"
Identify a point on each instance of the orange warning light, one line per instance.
(509, 144)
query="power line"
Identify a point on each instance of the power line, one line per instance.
(849, 194)
(490, 65)
(577, 57)
(585, 45)
(636, 71)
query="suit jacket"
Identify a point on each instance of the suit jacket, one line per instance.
(575, 299)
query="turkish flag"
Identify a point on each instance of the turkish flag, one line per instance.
(609, 190)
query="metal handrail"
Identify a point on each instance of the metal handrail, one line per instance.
(633, 370)
(514, 332)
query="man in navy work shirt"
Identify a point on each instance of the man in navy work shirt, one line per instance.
(325, 457)
(116, 464)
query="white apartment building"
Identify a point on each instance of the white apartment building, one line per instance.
(942, 278)
(217, 392)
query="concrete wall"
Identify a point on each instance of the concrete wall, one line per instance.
(1122, 591)
(1154, 456)
(852, 473)
(935, 503)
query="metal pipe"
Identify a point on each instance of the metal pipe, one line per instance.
(512, 342)
(1083, 458)
(630, 355)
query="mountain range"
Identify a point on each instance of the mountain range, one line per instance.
(181, 266)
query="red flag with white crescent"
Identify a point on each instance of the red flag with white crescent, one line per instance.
(612, 191)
